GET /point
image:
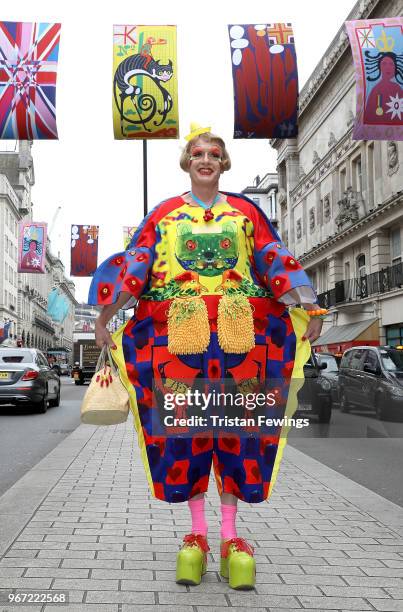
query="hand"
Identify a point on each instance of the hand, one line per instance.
(313, 330)
(102, 335)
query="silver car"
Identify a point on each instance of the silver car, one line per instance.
(26, 378)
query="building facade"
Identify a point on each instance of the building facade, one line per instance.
(264, 193)
(23, 297)
(341, 202)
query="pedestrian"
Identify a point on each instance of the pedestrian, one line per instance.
(214, 285)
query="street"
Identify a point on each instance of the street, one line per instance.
(356, 445)
(26, 438)
(360, 447)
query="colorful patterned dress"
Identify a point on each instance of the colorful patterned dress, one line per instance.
(176, 256)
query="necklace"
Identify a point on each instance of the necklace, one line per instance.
(208, 215)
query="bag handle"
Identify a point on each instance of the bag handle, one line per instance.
(105, 355)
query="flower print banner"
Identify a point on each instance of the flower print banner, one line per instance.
(377, 47)
(145, 86)
(265, 76)
(28, 70)
(84, 249)
(31, 247)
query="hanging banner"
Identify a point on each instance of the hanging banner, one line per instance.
(84, 249)
(28, 70)
(31, 246)
(145, 86)
(265, 78)
(128, 233)
(377, 48)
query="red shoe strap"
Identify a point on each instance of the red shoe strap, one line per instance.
(197, 539)
(240, 544)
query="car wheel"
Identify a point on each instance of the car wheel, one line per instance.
(325, 414)
(55, 402)
(344, 403)
(42, 406)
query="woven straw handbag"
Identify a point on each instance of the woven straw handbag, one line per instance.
(106, 401)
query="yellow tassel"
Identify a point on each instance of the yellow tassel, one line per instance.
(235, 324)
(188, 326)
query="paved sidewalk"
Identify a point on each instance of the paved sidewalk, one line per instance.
(83, 521)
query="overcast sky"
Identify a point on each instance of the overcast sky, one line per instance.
(97, 180)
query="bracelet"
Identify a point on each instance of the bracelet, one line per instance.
(319, 312)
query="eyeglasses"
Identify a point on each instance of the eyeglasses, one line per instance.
(213, 154)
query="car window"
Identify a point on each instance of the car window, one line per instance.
(346, 359)
(392, 360)
(42, 360)
(330, 361)
(371, 360)
(356, 360)
(15, 357)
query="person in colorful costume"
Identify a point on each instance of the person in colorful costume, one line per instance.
(213, 285)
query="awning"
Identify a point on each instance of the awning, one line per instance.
(344, 333)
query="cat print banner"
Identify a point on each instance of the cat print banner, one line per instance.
(145, 86)
(84, 249)
(377, 47)
(28, 70)
(32, 247)
(265, 77)
(128, 233)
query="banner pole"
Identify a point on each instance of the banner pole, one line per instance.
(145, 194)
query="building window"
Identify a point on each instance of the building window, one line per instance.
(357, 174)
(347, 270)
(256, 201)
(396, 245)
(371, 174)
(361, 265)
(342, 178)
(394, 335)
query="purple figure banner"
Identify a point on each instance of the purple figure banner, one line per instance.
(377, 47)
(32, 247)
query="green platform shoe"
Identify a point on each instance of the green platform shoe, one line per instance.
(237, 563)
(191, 561)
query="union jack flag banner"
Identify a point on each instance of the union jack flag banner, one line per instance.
(377, 48)
(28, 70)
(84, 249)
(265, 76)
(32, 247)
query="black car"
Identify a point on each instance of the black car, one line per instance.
(371, 378)
(26, 378)
(315, 396)
(331, 373)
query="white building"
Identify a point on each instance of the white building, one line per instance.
(341, 202)
(264, 193)
(23, 297)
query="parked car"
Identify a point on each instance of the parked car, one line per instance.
(371, 378)
(331, 373)
(26, 378)
(315, 397)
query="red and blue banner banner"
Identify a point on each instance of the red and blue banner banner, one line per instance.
(84, 250)
(265, 77)
(377, 48)
(28, 70)
(32, 247)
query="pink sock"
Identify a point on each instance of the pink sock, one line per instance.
(199, 524)
(228, 514)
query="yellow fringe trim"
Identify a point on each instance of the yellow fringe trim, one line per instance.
(188, 326)
(235, 324)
